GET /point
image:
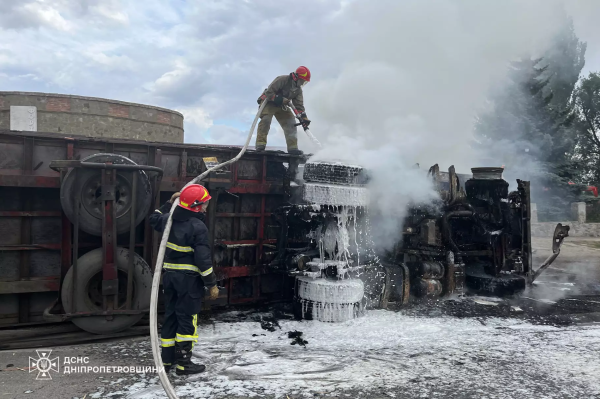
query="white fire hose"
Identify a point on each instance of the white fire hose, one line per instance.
(164, 379)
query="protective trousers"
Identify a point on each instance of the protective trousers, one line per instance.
(183, 294)
(285, 119)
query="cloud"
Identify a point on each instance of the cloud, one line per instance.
(197, 124)
(409, 73)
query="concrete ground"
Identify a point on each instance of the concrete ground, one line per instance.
(543, 344)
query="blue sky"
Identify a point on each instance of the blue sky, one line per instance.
(382, 70)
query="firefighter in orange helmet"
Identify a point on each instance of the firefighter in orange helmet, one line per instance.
(280, 92)
(187, 270)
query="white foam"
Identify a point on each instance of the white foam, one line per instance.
(331, 194)
(336, 163)
(331, 312)
(364, 353)
(331, 291)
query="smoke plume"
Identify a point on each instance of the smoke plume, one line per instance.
(413, 75)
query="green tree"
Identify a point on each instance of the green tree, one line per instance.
(587, 101)
(535, 124)
(564, 60)
(532, 138)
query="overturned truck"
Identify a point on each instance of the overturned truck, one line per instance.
(76, 245)
(476, 237)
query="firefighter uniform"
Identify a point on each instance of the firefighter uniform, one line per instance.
(187, 270)
(282, 87)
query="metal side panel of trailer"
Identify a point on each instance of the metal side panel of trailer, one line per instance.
(36, 236)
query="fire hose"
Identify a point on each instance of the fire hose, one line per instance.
(164, 379)
(299, 116)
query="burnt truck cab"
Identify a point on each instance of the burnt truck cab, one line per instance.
(475, 237)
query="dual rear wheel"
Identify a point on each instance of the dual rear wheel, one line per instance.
(85, 185)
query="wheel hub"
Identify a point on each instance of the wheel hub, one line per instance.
(94, 290)
(91, 196)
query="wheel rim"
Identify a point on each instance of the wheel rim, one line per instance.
(94, 297)
(91, 196)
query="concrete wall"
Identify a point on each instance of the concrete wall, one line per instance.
(96, 117)
(579, 227)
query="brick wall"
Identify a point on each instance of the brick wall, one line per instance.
(90, 116)
(163, 117)
(58, 104)
(121, 111)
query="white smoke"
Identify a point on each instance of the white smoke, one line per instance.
(413, 76)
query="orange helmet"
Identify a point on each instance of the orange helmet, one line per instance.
(193, 196)
(303, 73)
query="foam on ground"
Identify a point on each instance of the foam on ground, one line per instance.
(411, 357)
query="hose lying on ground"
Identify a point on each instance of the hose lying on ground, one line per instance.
(164, 379)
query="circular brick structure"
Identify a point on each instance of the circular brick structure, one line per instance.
(89, 116)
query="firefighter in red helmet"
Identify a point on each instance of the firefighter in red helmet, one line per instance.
(187, 270)
(280, 92)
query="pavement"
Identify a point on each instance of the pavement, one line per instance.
(541, 344)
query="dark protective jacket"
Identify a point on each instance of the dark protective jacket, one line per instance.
(284, 87)
(188, 249)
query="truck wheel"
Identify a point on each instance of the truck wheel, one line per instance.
(333, 172)
(327, 312)
(88, 296)
(328, 300)
(89, 188)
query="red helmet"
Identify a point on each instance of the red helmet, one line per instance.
(193, 196)
(303, 73)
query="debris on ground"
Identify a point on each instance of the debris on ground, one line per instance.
(269, 324)
(297, 338)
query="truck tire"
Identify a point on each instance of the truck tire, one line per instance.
(333, 172)
(326, 312)
(88, 296)
(88, 187)
(328, 300)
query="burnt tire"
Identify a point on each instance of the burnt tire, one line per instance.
(86, 183)
(88, 296)
(328, 300)
(334, 172)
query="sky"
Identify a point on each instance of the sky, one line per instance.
(382, 70)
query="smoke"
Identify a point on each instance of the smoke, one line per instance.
(413, 76)
(394, 184)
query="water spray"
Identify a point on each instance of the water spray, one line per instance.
(299, 116)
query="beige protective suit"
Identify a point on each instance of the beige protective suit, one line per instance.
(285, 87)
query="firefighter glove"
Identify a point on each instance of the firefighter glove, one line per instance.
(305, 121)
(278, 100)
(213, 293)
(174, 196)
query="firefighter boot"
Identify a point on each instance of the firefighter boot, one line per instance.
(185, 366)
(169, 366)
(295, 152)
